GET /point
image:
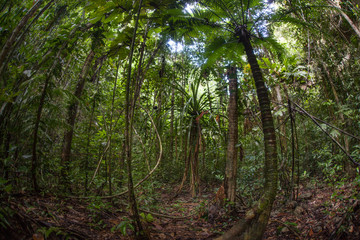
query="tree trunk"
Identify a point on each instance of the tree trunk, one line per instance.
(281, 122)
(264, 206)
(139, 232)
(34, 163)
(254, 225)
(89, 132)
(231, 155)
(172, 135)
(14, 35)
(109, 167)
(347, 18)
(194, 158)
(21, 36)
(347, 165)
(186, 158)
(292, 123)
(72, 111)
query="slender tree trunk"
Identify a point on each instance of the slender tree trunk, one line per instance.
(86, 164)
(231, 155)
(34, 163)
(34, 160)
(194, 158)
(14, 35)
(283, 174)
(139, 232)
(172, 135)
(347, 166)
(281, 122)
(255, 222)
(5, 167)
(87, 157)
(186, 158)
(72, 112)
(21, 36)
(347, 18)
(292, 190)
(109, 169)
(122, 162)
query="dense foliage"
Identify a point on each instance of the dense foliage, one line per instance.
(97, 96)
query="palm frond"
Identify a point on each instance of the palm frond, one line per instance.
(274, 46)
(220, 49)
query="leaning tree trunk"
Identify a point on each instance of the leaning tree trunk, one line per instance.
(231, 156)
(72, 111)
(255, 222)
(34, 158)
(14, 35)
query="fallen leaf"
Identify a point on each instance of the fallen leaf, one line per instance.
(311, 233)
(38, 236)
(158, 227)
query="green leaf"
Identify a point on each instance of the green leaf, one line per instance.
(149, 218)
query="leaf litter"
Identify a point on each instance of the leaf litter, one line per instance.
(318, 213)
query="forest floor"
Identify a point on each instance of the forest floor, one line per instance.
(320, 212)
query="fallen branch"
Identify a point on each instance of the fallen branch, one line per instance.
(166, 216)
(289, 227)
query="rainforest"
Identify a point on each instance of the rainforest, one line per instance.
(179, 119)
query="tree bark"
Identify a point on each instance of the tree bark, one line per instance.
(231, 156)
(264, 206)
(254, 225)
(71, 117)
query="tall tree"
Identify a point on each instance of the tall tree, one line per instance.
(129, 108)
(71, 118)
(223, 16)
(231, 155)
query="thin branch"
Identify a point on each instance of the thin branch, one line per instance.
(331, 137)
(147, 176)
(242, 12)
(332, 126)
(228, 12)
(222, 19)
(322, 121)
(144, 149)
(100, 160)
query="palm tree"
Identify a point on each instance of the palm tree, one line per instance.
(234, 22)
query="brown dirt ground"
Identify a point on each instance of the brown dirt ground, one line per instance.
(317, 214)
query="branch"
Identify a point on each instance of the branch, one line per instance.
(331, 137)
